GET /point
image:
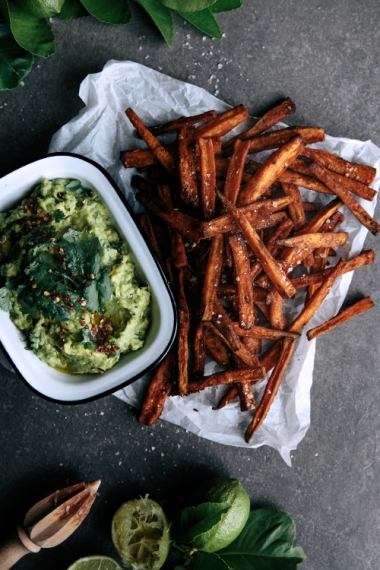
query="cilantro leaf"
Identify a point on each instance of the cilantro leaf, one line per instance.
(104, 287)
(58, 216)
(5, 302)
(91, 296)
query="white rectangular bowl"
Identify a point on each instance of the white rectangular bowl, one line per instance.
(45, 380)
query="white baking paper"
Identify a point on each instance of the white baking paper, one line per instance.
(100, 132)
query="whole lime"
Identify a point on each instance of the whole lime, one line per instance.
(140, 533)
(222, 490)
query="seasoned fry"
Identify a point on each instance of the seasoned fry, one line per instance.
(271, 118)
(275, 139)
(270, 170)
(228, 377)
(212, 278)
(264, 332)
(235, 171)
(176, 124)
(208, 177)
(182, 337)
(312, 241)
(247, 399)
(158, 390)
(223, 123)
(295, 209)
(243, 280)
(320, 218)
(269, 264)
(348, 313)
(186, 171)
(331, 181)
(199, 351)
(277, 318)
(361, 172)
(161, 153)
(271, 388)
(216, 347)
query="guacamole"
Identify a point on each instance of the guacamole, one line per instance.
(68, 281)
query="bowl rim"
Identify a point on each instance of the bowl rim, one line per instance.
(170, 342)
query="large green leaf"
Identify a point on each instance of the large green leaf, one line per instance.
(225, 6)
(204, 21)
(265, 542)
(191, 522)
(40, 8)
(15, 62)
(188, 5)
(115, 12)
(32, 33)
(161, 16)
(72, 9)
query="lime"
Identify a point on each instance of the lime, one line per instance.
(41, 8)
(222, 490)
(95, 563)
(140, 533)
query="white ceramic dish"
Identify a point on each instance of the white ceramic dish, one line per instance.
(40, 377)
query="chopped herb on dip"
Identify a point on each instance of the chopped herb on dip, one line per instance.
(68, 281)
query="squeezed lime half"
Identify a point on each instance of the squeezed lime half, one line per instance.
(95, 563)
(140, 533)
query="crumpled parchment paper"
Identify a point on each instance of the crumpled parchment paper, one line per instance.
(100, 131)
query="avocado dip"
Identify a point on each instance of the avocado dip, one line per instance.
(68, 281)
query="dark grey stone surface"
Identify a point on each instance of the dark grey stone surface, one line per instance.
(325, 56)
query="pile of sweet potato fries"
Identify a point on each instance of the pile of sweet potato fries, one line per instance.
(235, 238)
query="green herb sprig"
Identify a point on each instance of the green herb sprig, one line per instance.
(25, 31)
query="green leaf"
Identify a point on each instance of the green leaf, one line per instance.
(5, 302)
(115, 12)
(265, 542)
(91, 296)
(58, 215)
(204, 21)
(15, 62)
(40, 8)
(194, 521)
(30, 32)
(105, 287)
(72, 9)
(161, 16)
(188, 5)
(225, 6)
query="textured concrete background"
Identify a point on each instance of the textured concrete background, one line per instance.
(324, 55)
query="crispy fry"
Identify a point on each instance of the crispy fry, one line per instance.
(207, 185)
(320, 218)
(188, 189)
(176, 124)
(229, 293)
(182, 337)
(271, 118)
(158, 390)
(228, 377)
(295, 209)
(331, 181)
(161, 153)
(243, 280)
(223, 123)
(361, 172)
(216, 347)
(246, 397)
(277, 318)
(199, 351)
(186, 225)
(235, 171)
(264, 332)
(275, 139)
(271, 388)
(212, 278)
(270, 170)
(269, 264)
(146, 224)
(312, 241)
(348, 313)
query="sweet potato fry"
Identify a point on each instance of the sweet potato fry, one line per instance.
(158, 390)
(235, 171)
(228, 377)
(271, 388)
(317, 221)
(277, 319)
(207, 185)
(146, 224)
(271, 118)
(243, 280)
(229, 293)
(216, 347)
(186, 225)
(331, 181)
(182, 337)
(274, 271)
(348, 313)
(176, 124)
(275, 139)
(223, 123)
(295, 209)
(246, 397)
(264, 332)
(160, 152)
(361, 172)
(270, 170)
(312, 241)
(188, 189)
(138, 158)
(212, 278)
(199, 351)
(227, 398)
